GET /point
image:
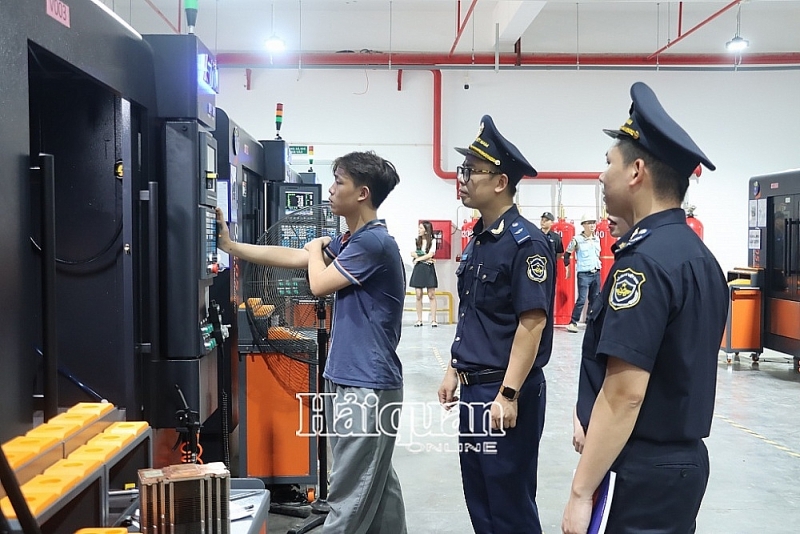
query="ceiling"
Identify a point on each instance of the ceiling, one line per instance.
(313, 29)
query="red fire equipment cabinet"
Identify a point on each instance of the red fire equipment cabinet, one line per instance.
(442, 232)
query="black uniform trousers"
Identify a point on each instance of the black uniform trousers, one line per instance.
(659, 487)
(499, 471)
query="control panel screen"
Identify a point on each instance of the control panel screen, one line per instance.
(297, 200)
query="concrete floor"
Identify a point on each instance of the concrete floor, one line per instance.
(754, 444)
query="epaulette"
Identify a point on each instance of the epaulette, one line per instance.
(520, 233)
(638, 235)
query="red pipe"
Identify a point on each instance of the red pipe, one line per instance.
(680, 18)
(437, 128)
(438, 60)
(695, 27)
(399, 79)
(463, 25)
(437, 144)
(160, 14)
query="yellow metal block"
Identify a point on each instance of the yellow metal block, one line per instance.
(102, 452)
(61, 431)
(83, 419)
(119, 439)
(80, 467)
(37, 503)
(99, 408)
(52, 483)
(133, 428)
(16, 459)
(34, 444)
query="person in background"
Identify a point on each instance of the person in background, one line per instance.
(554, 238)
(586, 246)
(364, 269)
(649, 358)
(503, 340)
(424, 274)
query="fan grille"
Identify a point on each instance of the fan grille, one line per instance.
(280, 312)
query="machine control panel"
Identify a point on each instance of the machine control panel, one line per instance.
(210, 252)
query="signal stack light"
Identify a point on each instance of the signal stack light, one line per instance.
(278, 120)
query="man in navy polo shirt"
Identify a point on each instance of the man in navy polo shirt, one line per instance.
(364, 269)
(506, 286)
(649, 362)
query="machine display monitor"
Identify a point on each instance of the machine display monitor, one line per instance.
(285, 198)
(297, 200)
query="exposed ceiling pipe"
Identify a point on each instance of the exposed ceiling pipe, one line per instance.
(425, 60)
(437, 128)
(694, 28)
(451, 175)
(680, 19)
(463, 25)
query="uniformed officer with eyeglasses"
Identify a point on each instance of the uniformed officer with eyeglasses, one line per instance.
(506, 286)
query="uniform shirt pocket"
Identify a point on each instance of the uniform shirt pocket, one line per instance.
(491, 291)
(460, 278)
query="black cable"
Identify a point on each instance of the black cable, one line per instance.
(75, 380)
(91, 258)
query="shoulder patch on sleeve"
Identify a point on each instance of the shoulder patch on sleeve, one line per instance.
(537, 268)
(519, 232)
(627, 290)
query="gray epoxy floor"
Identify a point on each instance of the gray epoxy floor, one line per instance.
(754, 444)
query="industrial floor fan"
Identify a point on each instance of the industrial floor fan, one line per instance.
(289, 326)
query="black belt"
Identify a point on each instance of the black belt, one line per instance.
(488, 376)
(588, 272)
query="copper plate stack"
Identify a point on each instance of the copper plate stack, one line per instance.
(185, 499)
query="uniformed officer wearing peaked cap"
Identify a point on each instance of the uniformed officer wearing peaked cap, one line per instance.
(506, 286)
(649, 361)
(656, 132)
(491, 146)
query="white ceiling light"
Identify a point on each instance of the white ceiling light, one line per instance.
(737, 44)
(274, 43)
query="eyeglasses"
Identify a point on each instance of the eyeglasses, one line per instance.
(465, 173)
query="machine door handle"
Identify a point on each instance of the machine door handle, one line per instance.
(150, 196)
(787, 240)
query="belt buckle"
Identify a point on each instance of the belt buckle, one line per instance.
(463, 378)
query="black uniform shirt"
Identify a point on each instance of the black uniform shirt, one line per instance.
(505, 270)
(556, 245)
(663, 309)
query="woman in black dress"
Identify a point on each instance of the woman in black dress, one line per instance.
(424, 274)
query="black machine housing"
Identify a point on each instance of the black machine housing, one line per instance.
(774, 248)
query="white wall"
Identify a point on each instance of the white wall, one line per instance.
(748, 123)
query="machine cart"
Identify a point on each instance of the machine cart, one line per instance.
(744, 324)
